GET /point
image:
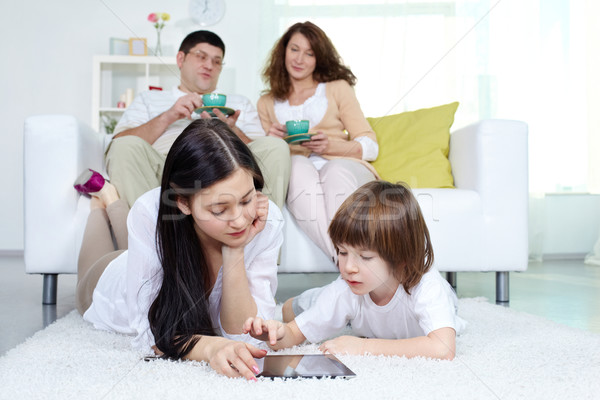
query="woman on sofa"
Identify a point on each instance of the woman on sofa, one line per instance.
(306, 80)
(202, 255)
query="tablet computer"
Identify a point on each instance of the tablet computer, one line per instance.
(303, 366)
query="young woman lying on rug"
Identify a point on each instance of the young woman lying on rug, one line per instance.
(202, 255)
(395, 302)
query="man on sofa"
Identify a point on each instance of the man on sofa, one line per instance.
(144, 135)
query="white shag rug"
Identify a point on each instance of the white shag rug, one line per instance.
(503, 354)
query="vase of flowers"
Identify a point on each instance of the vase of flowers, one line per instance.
(109, 123)
(158, 19)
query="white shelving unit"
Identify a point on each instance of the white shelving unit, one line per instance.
(113, 75)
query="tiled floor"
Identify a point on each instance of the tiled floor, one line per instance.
(566, 291)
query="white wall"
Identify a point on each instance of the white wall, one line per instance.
(46, 67)
(572, 224)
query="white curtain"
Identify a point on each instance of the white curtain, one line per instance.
(534, 61)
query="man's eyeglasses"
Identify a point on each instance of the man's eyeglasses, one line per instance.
(203, 57)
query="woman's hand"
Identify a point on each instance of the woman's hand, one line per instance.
(318, 143)
(277, 130)
(270, 330)
(260, 220)
(343, 344)
(234, 359)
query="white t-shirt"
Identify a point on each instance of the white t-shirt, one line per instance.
(131, 282)
(432, 305)
(151, 103)
(313, 110)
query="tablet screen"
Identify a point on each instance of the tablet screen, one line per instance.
(303, 366)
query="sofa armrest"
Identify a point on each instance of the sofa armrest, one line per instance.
(56, 148)
(490, 157)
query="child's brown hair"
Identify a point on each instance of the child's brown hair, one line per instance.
(385, 217)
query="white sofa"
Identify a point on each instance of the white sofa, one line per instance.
(479, 226)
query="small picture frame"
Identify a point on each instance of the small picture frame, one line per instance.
(119, 46)
(138, 47)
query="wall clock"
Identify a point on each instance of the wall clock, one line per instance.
(207, 12)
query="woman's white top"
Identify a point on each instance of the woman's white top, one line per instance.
(313, 110)
(431, 305)
(132, 281)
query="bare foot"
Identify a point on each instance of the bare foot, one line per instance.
(96, 203)
(287, 313)
(108, 194)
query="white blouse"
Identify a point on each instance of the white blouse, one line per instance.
(131, 282)
(313, 110)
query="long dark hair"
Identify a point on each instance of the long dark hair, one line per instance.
(329, 66)
(386, 218)
(206, 152)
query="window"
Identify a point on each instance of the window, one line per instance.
(525, 60)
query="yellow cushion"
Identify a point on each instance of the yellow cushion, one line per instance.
(413, 147)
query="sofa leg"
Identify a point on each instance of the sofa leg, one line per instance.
(502, 295)
(50, 284)
(451, 278)
(48, 314)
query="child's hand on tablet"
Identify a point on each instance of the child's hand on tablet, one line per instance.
(344, 345)
(268, 331)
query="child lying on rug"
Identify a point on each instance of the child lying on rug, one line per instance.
(396, 303)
